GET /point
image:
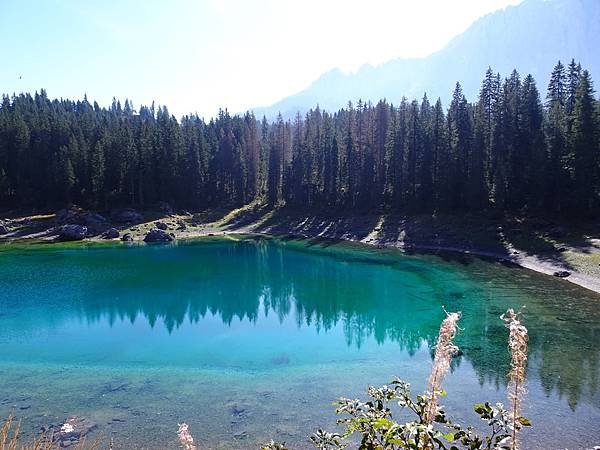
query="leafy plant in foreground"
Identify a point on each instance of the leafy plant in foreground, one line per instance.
(430, 427)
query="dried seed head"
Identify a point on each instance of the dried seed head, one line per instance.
(444, 351)
(517, 343)
(185, 438)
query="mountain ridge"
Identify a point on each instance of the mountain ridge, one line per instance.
(530, 37)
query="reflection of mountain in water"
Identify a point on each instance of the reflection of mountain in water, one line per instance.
(396, 299)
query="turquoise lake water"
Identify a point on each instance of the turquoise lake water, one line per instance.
(252, 339)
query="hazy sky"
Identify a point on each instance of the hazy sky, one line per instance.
(199, 55)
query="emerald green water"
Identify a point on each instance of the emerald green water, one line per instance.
(253, 339)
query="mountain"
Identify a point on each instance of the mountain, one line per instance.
(530, 37)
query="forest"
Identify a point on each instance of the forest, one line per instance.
(511, 151)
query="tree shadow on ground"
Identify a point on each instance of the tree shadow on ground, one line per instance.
(449, 236)
(287, 221)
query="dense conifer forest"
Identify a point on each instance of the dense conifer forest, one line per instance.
(511, 150)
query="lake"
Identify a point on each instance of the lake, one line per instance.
(251, 338)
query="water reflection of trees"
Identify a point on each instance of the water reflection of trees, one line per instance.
(241, 280)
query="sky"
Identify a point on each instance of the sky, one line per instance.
(197, 56)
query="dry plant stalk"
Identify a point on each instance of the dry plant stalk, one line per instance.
(185, 438)
(444, 351)
(517, 343)
(9, 440)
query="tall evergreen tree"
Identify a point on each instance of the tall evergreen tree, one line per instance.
(584, 156)
(556, 179)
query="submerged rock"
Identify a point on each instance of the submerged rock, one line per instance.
(72, 232)
(156, 235)
(280, 360)
(72, 431)
(562, 274)
(111, 233)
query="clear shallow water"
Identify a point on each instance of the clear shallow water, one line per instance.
(252, 339)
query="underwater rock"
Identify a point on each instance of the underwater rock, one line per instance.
(72, 431)
(237, 410)
(280, 360)
(240, 435)
(156, 235)
(114, 388)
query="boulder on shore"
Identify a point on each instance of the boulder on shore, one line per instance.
(91, 218)
(156, 235)
(72, 232)
(127, 237)
(111, 233)
(161, 225)
(67, 214)
(126, 215)
(562, 274)
(3, 228)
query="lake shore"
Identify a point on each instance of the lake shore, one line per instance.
(539, 245)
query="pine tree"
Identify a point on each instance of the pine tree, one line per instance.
(413, 152)
(584, 157)
(276, 159)
(557, 87)
(460, 141)
(97, 174)
(488, 115)
(532, 144)
(573, 76)
(395, 150)
(512, 174)
(64, 175)
(425, 195)
(556, 179)
(442, 170)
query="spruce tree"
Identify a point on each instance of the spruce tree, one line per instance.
(556, 179)
(584, 149)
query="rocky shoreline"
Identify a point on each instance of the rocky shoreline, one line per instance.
(536, 245)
